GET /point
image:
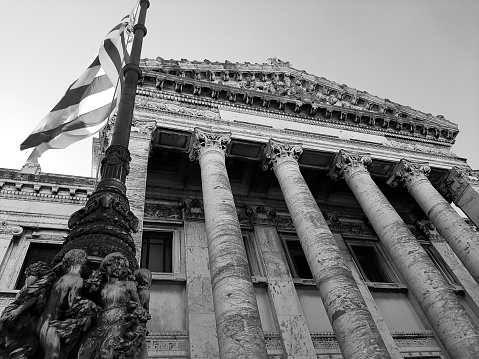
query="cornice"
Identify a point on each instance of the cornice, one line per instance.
(45, 187)
(276, 81)
(328, 115)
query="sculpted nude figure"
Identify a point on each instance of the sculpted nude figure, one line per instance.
(62, 298)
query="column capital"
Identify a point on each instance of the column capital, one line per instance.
(456, 182)
(7, 229)
(278, 152)
(347, 164)
(409, 173)
(204, 140)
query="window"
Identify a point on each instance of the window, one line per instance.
(37, 252)
(371, 262)
(296, 258)
(157, 253)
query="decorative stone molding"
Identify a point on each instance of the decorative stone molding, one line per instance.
(173, 345)
(428, 231)
(193, 210)
(32, 168)
(409, 173)
(204, 140)
(7, 229)
(346, 164)
(277, 152)
(356, 229)
(456, 182)
(284, 222)
(260, 85)
(143, 128)
(260, 215)
(163, 211)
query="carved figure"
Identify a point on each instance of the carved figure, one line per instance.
(62, 298)
(18, 320)
(143, 278)
(119, 301)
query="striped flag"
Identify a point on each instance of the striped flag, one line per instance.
(89, 101)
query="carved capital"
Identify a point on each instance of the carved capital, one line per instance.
(456, 182)
(193, 210)
(260, 215)
(347, 164)
(409, 173)
(279, 152)
(7, 229)
(143, 128)
(428, 231)
(204, 141)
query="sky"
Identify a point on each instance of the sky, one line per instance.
(419, 53)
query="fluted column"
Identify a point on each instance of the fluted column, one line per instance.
(451, 322)
(457, 233)
(457, 187)
(353, 325)
(240, 334)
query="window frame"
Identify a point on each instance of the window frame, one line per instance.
(253, 255)
(386, 267)
(293, 237)
(177, 260)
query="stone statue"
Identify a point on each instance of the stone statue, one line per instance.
(18, 321)
(121, 326)
(143, 278)
(65, 292)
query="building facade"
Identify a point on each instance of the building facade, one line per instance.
(282, 215)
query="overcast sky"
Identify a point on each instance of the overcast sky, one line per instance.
(423, 54)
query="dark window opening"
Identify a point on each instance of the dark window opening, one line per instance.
(440, 265)
(300, 267)
(370, 264)
(37, 252)
(156, 253)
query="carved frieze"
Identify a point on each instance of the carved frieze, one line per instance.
(168, 345)
(409, 173)
(172, 107)
(163, 211)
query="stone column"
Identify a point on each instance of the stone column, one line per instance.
(457, 233)
(353, 325)
(456, 186)
(292, 325)
(240, 335)
(449, 319)
(140, 143)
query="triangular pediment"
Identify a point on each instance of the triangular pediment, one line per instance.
(276, 85)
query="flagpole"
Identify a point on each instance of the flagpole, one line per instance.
(105, 224)
(115, 166)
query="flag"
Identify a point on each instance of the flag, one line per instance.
(89, 101)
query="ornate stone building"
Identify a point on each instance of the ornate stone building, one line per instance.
(282, 215)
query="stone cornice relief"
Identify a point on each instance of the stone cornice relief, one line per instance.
(45, 187)
(276, 84)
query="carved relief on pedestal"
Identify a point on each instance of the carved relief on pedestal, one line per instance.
(278, 152)
(409, 173)
(346, 164)
(206, 140)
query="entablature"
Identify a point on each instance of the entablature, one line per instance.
(276, 87)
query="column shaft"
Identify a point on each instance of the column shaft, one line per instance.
(353, 325)
(457, 233)
(451, 322)
(240, 335)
